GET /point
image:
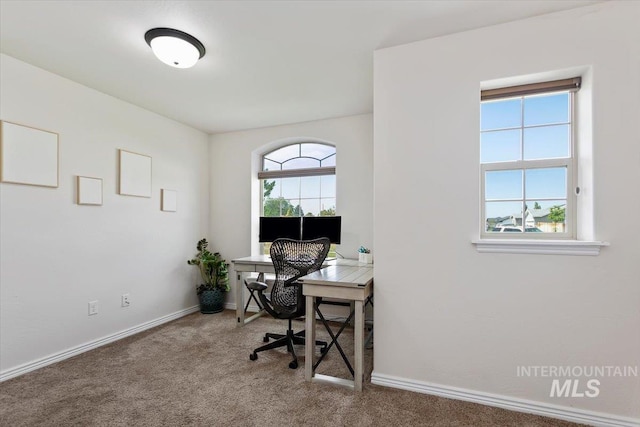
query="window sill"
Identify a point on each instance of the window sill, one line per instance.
(542, 247)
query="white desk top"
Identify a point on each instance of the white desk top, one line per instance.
(337, 272)
(257, 259)
(348, 262)
(266, 259)
(341, 273)
(253, 259)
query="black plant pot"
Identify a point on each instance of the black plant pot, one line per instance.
(211, 301)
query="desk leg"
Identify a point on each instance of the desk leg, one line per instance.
(358, 345)
(239, 299)
(310, 337)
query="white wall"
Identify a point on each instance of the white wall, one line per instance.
(56, 256)
(234, 183)
(450, 316)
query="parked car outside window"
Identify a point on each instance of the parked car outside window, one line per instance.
(515, 229)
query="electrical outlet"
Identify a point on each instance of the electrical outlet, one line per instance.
(93, 308)
(126, 301)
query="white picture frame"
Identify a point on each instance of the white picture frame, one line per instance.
(168, 200)
(28, 155)
(89, 191)
(134, 174)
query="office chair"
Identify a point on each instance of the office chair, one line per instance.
(291, 259)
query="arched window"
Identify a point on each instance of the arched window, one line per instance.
(299, 180)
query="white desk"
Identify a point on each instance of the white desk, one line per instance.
(250, 264)
(342, 279)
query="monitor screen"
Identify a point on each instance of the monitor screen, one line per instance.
(314, 227)
(272, 228)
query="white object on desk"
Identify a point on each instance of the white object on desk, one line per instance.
(365, 258)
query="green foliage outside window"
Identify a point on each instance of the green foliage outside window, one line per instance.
(556, 215)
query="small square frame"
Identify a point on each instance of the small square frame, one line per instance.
(134, 178)
(89, 191)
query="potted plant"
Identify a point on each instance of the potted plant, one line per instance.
(215, 275)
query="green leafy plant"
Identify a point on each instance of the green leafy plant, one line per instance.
(556, 215)
(213, 268)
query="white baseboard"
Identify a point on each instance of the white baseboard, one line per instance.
(506, 402)
(57, 357)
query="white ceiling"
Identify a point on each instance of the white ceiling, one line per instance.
(267, 62)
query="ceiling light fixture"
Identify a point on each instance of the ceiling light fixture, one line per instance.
(174, 47)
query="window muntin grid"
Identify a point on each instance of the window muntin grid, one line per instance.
(526, 158)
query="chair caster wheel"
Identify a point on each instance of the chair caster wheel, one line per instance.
(293, 365)
(253, 356)
(265, 339)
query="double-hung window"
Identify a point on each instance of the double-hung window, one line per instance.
(528, 160)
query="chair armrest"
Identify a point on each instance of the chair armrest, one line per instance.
(257, 286)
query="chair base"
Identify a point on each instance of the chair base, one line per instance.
(289, 340)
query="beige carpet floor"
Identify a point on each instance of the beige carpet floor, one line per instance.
(195, 371)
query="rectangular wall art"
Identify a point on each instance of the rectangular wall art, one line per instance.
(89, 191)
(135, 174)
(169, 201)
(28, 155)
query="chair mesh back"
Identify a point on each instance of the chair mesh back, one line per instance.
(293, 259)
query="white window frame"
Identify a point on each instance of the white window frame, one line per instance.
(583, 242)
(524, 165)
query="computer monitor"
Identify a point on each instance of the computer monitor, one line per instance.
(272, 228)
(314, 227)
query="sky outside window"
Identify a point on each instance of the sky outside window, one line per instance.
(547, 183)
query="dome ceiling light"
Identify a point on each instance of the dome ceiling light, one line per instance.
(174, 47)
